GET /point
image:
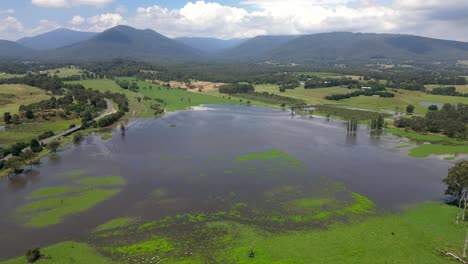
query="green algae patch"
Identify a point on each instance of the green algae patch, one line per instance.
(310, 204)
(74, 174)
(66, 253)
(115, 223)
(265, 155)
(361, 206)
(87, 193)
(152, 246)
(99, 181)
(50, 191)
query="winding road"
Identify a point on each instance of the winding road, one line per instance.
(110, 110)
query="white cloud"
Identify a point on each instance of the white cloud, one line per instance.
(11, 24)
(10, 27)
(70, 3)
(7, 11)
(307, 16)
(77, 20)
(104, 21)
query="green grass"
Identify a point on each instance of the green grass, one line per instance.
(79, 198)
(269, 154)
(26, 131)
(7, 76)
(115, 223)
(417, 236)
(402, 98)
(426, 150)
(174, 98)
(66, 253)
(65, 72)
(12, 96)
(433, 138)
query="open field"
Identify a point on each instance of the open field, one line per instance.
(459, 88)
(7, 75)
(402, 98)
(174, 98)
(65, 72)
(14, 95)
(25, 131)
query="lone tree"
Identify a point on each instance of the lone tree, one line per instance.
(7, 117)
(33, 255)
(53, 146)
(28, 155)
(457, 183)
(410, 109)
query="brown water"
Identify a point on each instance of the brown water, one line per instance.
(193, 163)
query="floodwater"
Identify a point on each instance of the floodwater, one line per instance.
(189, 155)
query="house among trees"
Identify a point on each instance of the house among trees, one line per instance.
(366, 88)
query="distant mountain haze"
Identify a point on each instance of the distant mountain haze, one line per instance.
(55, 39)
(210, 45)
(128, 42)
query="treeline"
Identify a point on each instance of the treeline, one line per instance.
(349, 114)
(43, 81)
(316, 82)
(270, 98)
(451, 120)
(236, 88)
(450, 91)
(371, 92)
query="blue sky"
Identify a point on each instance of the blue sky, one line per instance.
(238, 18)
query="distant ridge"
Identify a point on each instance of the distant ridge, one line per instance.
(125, 41)
(55, 39)
(350, 46)
(210, 45)
(148, 45)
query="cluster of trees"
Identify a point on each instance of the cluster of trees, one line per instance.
(371, 92)
(450, 120)
(316, 82)
(236, 88)
(288, 81)
(270, 98)
(377, 123)
(348, 114)
(110, 119)
(450, 91)
(124, 84)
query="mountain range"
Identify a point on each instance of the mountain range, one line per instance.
(128, 42)
(55, 39)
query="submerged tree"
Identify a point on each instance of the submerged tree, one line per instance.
(29, 155)
(14, 163)
(122, 129)
(53, 146)
(352, 125)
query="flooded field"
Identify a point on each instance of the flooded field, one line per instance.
(178, 184)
